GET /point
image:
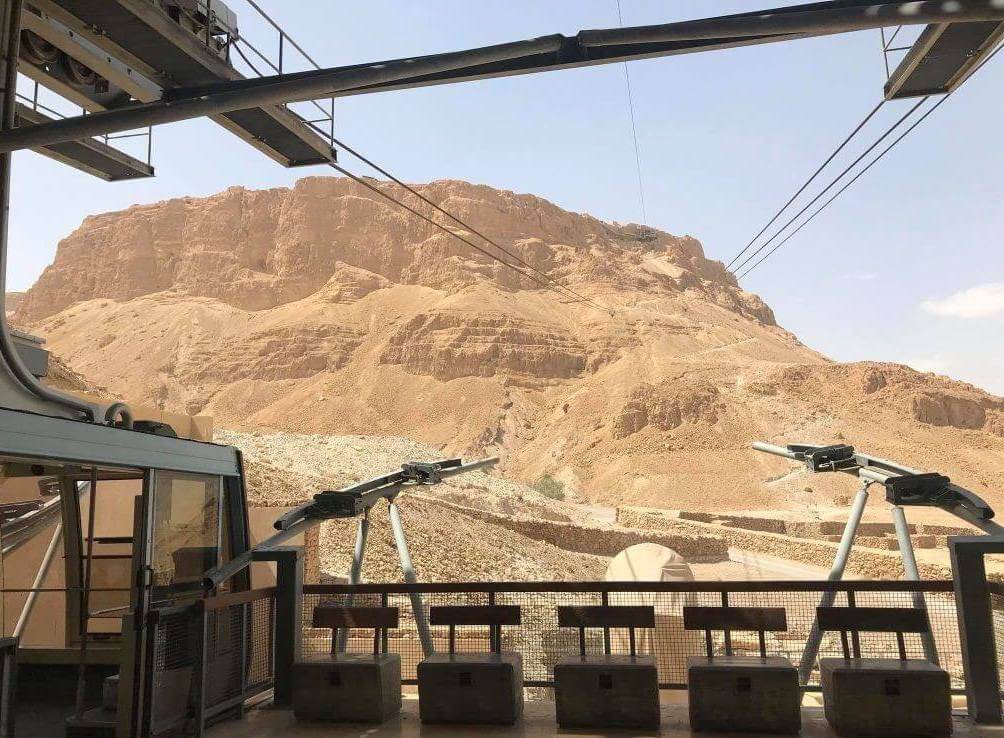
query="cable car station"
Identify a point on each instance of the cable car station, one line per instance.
(137, 602)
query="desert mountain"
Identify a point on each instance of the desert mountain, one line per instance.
(13, 300)
(324, 309)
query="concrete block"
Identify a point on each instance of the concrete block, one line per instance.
(348, 687)
(475, 688)
(607, 692)
(886, 697)
(744, 694)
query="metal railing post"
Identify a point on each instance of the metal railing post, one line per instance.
(288, 616)
(8, 685)
(976, 625)
(913, 574)
(201, 616)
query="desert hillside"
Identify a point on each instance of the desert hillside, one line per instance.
(322, 309)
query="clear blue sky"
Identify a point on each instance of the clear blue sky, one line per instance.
(907, 266)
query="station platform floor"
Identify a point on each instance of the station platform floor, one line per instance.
(538, 722)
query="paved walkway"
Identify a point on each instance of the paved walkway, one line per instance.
(538, 721)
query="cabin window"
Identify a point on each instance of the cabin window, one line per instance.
(186, 530)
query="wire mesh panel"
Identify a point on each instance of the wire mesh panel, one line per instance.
(224, 657)
(175, 661)
(261, 643)
(240, 647)
(997, 612)
(542, 643)
(208, 657)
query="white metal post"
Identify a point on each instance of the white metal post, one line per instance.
(913, 574)
(409, 576)
(836, 574)
(356, 570)
(43, 569)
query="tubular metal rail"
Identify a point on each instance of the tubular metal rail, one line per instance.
(904, 485)
(348, 502)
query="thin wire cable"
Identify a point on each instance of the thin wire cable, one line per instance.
(356, 178)
(833, 182)
(839, 192)
(555, 285)
(809, 181)
(869, 166)
(634, 127)
(369, 162)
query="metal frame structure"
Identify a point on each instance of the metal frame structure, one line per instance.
(980, 652)
(907, 486)
(547, 53)
(356, 501)
(42, 426)
(8, 680)
(29, 443)
(941, 59)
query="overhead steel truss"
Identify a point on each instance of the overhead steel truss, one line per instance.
(536, 55)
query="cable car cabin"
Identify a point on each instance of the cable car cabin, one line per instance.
(97, 526)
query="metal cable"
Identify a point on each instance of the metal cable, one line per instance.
(566, 290)
(889, 131)
(839, 192)
(869, 166)
(634, 127)
(809, 181)
(356, 178)
(554, 284)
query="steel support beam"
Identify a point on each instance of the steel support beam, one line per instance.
(913, 574)
(816, 20)
(976, 625)
(12, 368)
(811, 649)
(275, 90)
(288, 616)
(537, 55)
(408, 569)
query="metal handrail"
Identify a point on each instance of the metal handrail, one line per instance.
(277, 67)
(784, 585)
(42, 107)
(229, 599)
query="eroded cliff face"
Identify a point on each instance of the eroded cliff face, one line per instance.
(260, 249)
(322, 309)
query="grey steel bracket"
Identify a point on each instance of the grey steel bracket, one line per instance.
(904, 485)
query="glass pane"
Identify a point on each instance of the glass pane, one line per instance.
(30, 524)
(111, 567)
(186, 530)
